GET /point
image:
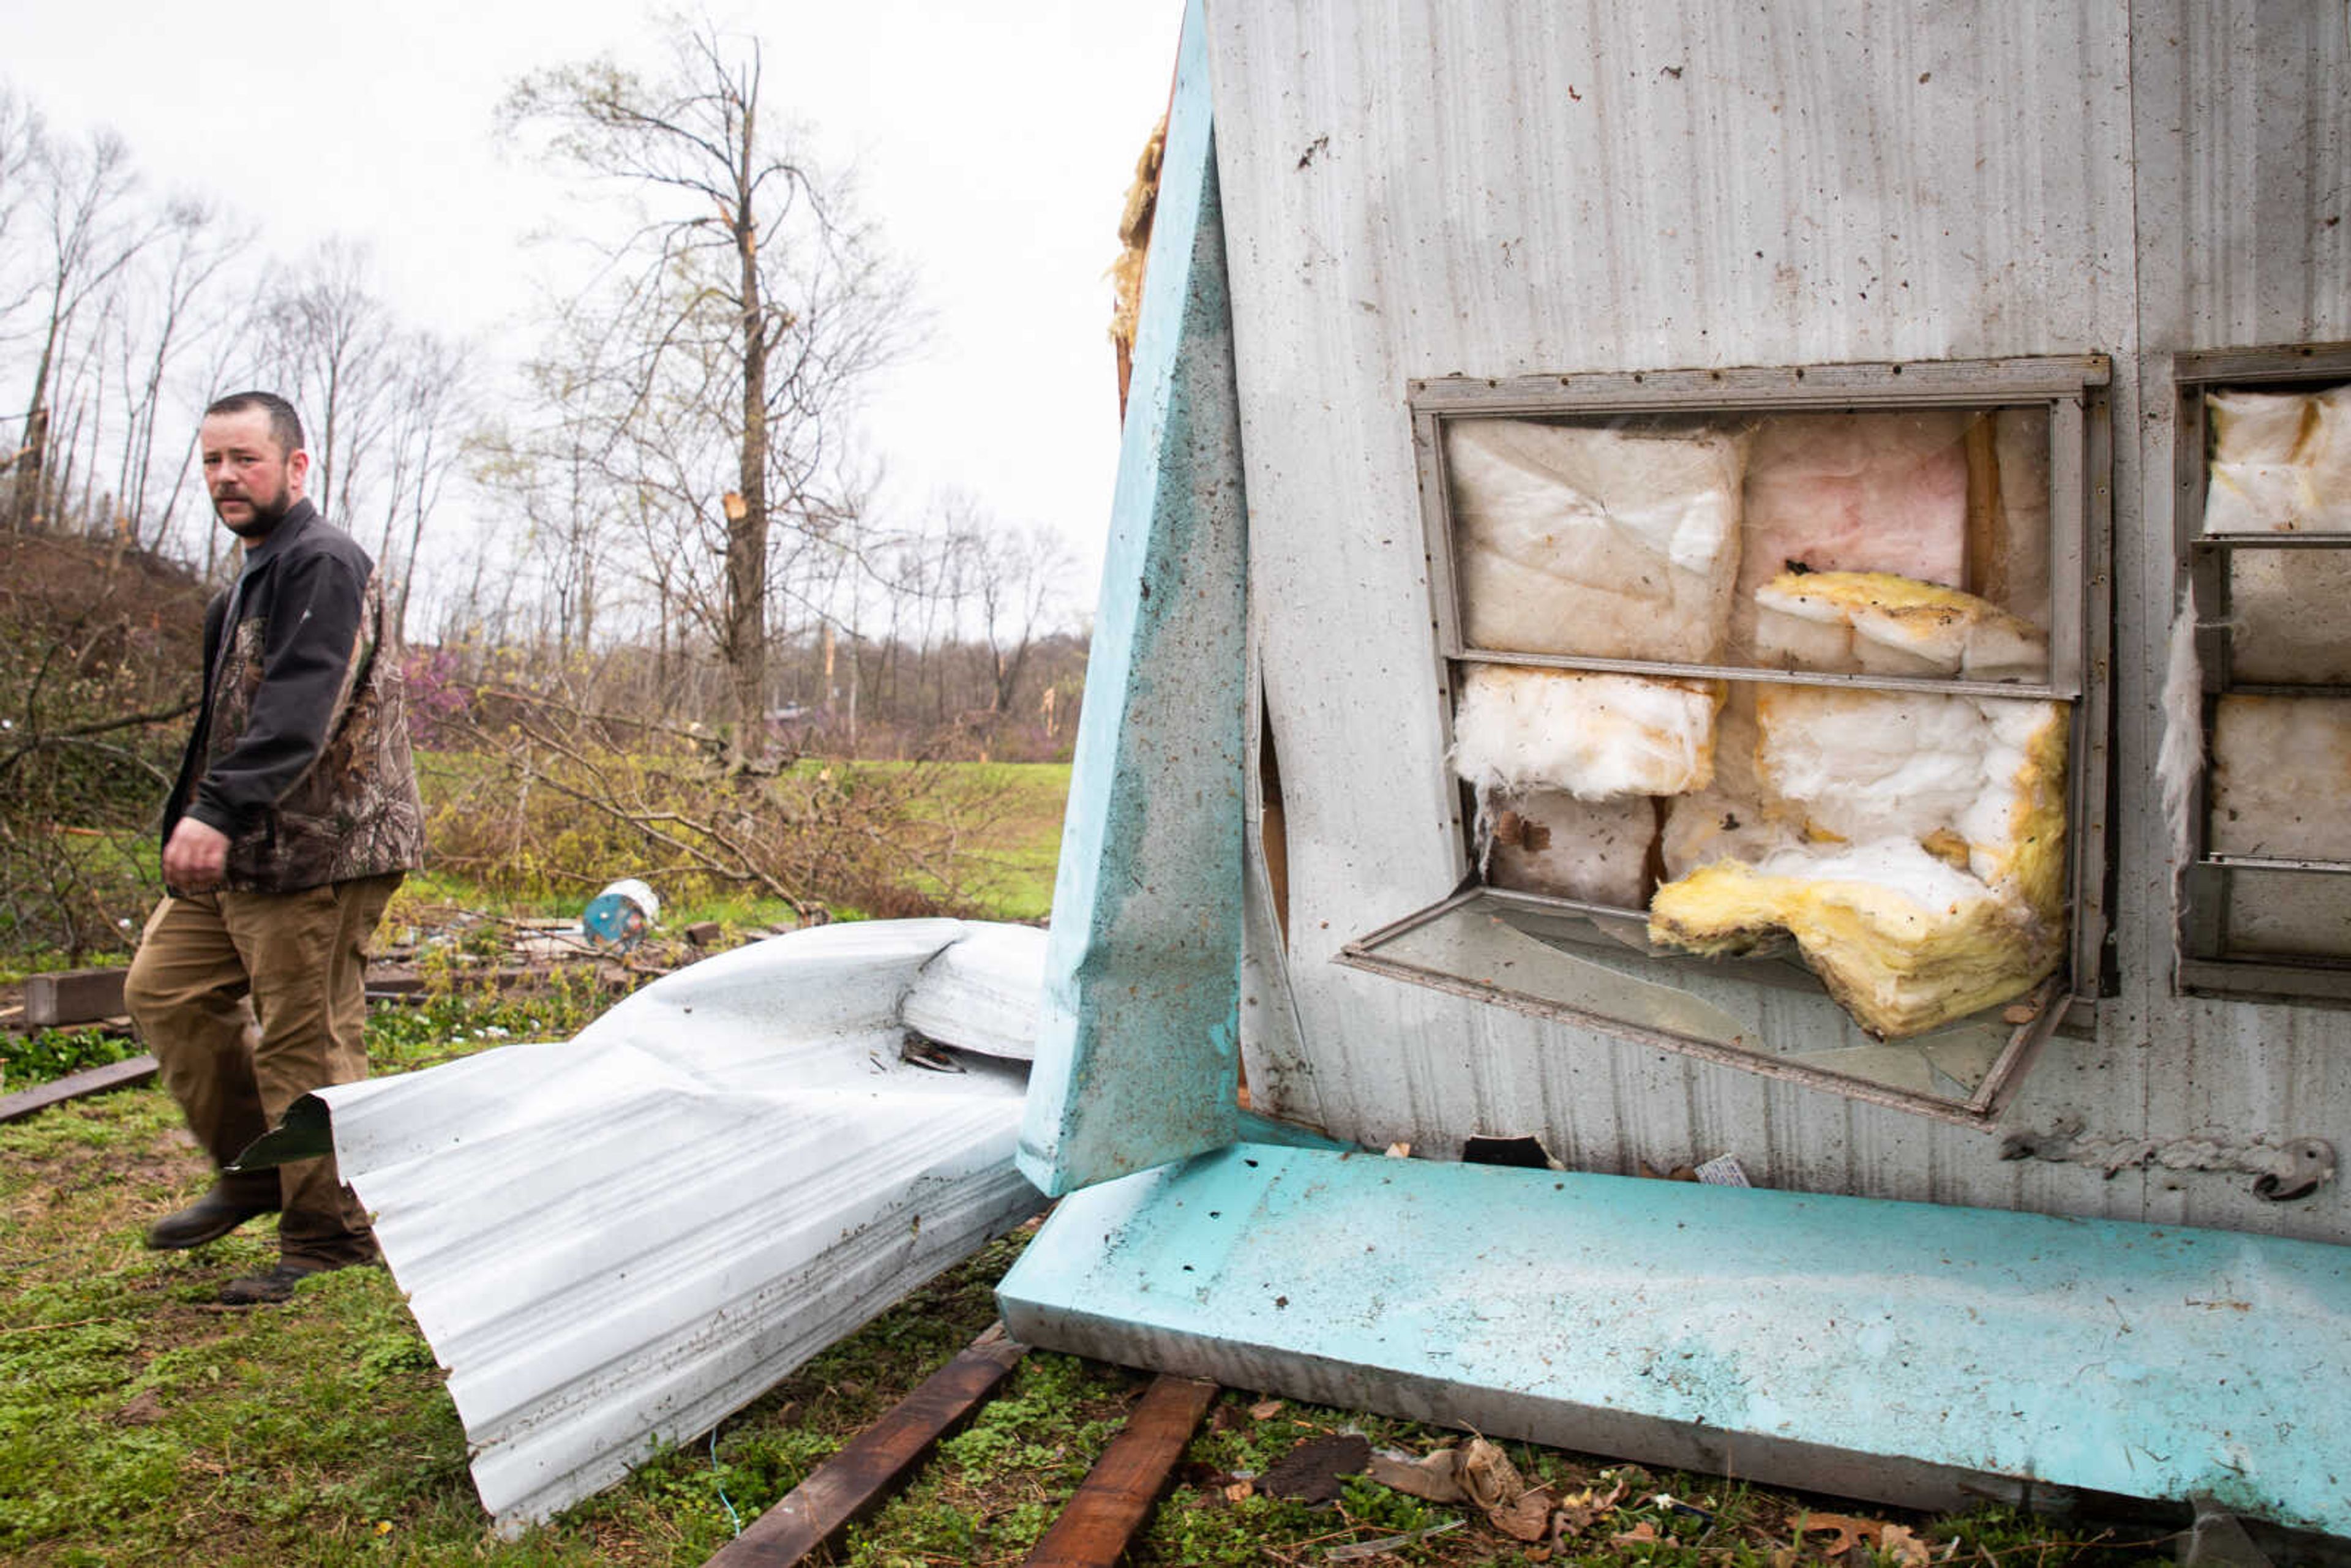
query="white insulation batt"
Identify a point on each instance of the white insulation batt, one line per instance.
(2281, 462)
(614, 1241)
(1576, 540)
(1597, 737)
(1732, 818)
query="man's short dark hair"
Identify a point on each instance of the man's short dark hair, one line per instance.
(285, 425)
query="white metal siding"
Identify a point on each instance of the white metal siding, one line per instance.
(1425, 187)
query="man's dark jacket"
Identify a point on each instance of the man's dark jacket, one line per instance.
(300, 750)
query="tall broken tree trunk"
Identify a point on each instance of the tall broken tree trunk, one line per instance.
(746, 526)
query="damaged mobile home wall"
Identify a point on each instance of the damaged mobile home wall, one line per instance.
(1490, 190)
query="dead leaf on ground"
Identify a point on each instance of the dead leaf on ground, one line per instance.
(1852, 1532)
(1904, 1547)
(143, 1410)
(1528, 1519)
(1578, 1512)
(1486, 1475)
(1430, 1478)
(1642, 1534)
(1312, 1472)
(1265, 1409)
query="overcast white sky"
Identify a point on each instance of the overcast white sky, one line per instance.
(993, 143)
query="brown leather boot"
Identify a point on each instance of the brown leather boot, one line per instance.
(209, 1218)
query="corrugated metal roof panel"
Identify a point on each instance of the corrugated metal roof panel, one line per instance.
(616, 1240)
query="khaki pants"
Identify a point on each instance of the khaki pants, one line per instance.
(250, 1001)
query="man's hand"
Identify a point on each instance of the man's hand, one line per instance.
(196, 858)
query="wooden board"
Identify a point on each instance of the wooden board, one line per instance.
(95, 1080)
(71, 996)
(876, 1462)
(1118, 1493)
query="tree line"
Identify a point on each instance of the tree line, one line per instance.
(662, 510)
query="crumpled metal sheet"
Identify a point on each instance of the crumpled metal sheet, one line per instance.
(616, 1240)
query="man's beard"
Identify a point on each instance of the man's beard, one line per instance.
(266, 515)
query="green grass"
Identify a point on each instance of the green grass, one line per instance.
(141, 1424)
(1013, 871)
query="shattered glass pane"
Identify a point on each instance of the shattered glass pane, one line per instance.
(1867, 883)
(1587, 964)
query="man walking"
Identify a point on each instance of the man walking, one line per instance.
(295, 816)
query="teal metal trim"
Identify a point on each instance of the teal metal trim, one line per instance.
(1138, 1040)
(1856, 1346)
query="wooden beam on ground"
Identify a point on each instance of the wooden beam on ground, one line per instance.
(1118, 1493)
(876, 1462)
(72, 996)
(95, 1081)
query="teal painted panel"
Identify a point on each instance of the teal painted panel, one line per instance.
(1138, 1043)
(1854, 1345)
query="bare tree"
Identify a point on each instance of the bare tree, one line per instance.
(750, 298)
(84, 228)
(1019, 582)
(329, 345)
(161, 314)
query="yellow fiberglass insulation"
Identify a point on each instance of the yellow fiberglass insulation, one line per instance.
(1902, 940)
(1874, 623)
(1928, 880)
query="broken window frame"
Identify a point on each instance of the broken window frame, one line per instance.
(2073, 389)
(2205, 966)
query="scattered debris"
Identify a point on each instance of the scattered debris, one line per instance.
(1579, 1512)
(1314, 1472)
(1894, 1541)
(919, 1051)
(1387, 1543)
(1399, 1151)
(705, 933)
(1265, 1409)
(1722, 1171)
(619, 916)
(1478, 1473)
